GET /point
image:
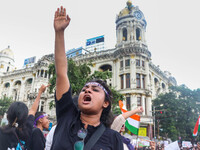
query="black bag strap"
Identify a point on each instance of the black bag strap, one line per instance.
(21, 145)
(95, 137)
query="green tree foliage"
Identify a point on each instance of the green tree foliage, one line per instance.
(179, 112)
(78, 76)
(52, 80)
(4, 104)
(115, 104)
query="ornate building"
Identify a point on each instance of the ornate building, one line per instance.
(23, 84)
(133, 73)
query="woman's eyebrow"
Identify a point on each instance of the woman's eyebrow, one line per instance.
(95, 86)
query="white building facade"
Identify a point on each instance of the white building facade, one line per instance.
(23, 84)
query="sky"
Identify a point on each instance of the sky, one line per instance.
(173, 30)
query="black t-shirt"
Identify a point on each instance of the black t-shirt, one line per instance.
(37, 140)
(68, 124)
(9, 140)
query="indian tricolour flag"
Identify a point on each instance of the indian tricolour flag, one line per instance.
(133, 122)
(197, 127)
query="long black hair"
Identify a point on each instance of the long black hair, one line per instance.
(106, 116)
(17, 115)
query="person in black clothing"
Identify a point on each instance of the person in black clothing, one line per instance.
(37, 139)
(94, 103)
(16, 135)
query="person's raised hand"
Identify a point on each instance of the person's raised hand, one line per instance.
(153, 145)
(198, 145)
(43, 87)
(61, 20)
(139, 109)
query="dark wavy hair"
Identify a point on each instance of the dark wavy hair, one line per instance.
(17, 113)
(106, 116)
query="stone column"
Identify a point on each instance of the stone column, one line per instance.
(40, 105)
(11, 88)
(114, 72)
(143, 104)
(134, 31)
(144, 37)
(147, 80)
(132, 71)
(152, 84)
(141, 81)
(149, 107)
(133, 101)
(124, 75)
(121, 35)
(33, 82)
(21, 90)
(128, 33)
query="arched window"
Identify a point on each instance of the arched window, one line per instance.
(163, 85)
(45, 75)
(18, 83)
(128, 103)
(138, 34)
(29, 81)
(7, 85)
(8, 69)
(38, 72)
(106, 67)
(124, 34)
(156, 82)
(42, 72)
(128, 82)
(122, 81)
(138, 81)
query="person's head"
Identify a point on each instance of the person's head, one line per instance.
(41, 119)
(122, 128)
(17, 114)
(95, 99)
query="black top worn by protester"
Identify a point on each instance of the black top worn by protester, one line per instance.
(10, 141)
(37, 140)
(68, 119)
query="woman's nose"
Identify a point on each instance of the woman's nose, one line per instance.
(87, 90)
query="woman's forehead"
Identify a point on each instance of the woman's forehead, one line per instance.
(91, 85)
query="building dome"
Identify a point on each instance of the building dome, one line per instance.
(8, 52)
(131, 11)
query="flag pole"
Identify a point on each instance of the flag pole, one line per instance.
(137, 143)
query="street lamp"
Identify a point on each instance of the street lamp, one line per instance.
(154, 118)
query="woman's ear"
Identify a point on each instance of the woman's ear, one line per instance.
(40, 120)
(105, 104)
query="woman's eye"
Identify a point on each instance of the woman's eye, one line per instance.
(83, 90)
(95, 90)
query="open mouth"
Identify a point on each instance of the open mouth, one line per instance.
(87, 98)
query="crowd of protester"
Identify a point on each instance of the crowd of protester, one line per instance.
(88, 126)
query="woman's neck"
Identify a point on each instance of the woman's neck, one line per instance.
(93, 120)
(40, 127)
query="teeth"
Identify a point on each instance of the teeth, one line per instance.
(87, 98)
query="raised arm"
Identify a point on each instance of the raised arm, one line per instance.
(132, 112)
(61, 21)
(121, 119)
(35, 105)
